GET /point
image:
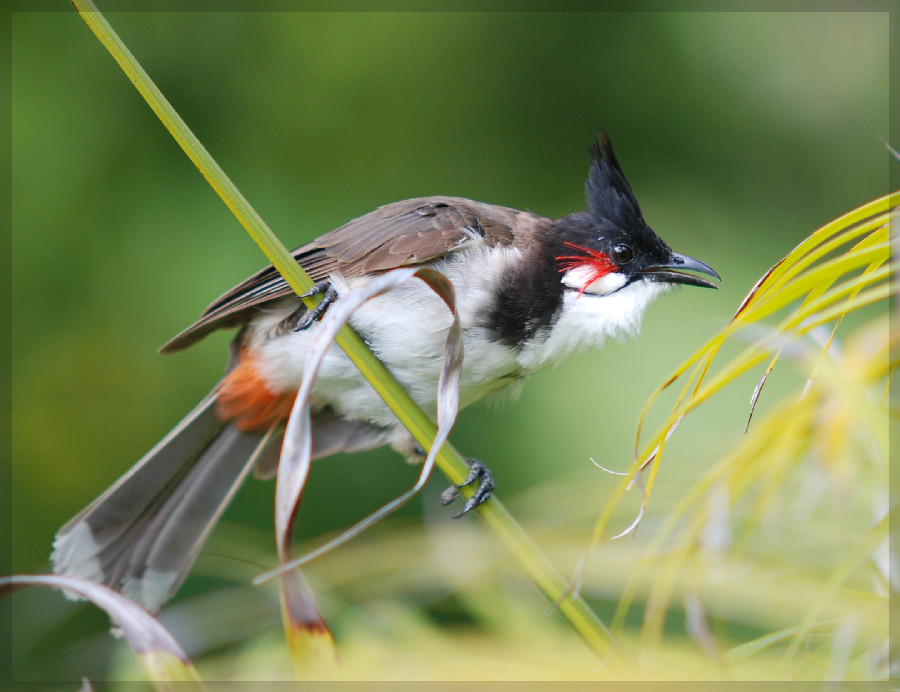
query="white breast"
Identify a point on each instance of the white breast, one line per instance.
(407, 329)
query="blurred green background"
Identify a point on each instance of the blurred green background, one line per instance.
(740, 133)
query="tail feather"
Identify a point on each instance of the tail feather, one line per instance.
(144, 532)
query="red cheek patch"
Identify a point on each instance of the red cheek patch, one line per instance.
(596, 264)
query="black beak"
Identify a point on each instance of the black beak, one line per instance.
(675, 272)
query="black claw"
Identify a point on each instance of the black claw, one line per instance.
(477, 472)
(310, 316)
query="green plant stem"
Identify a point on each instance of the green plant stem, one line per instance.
(532, 561)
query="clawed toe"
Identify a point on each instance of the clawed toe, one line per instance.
(477, 472)
(329, 295)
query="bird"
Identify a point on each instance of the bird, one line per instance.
(531, 291)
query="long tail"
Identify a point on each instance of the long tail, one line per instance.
(142, 535)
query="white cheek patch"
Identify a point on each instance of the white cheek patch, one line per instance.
(580, 279)
(607, 284)
(578, 276)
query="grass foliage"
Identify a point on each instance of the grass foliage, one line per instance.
(808, 479)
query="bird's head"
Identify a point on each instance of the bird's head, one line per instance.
(610, 246)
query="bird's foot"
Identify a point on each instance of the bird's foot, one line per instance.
(477, 472)
(305, 316)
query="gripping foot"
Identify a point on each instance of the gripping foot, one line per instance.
(477, 472)
(304, 316)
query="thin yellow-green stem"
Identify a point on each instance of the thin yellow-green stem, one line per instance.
(532, 561)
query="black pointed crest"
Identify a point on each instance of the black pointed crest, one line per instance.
(608, 194)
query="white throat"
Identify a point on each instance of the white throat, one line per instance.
(588, 320)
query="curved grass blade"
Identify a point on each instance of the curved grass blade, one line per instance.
(827, 285)
(163, 659)
(308, 637)
(815, 293)
(309, 640)
(760, 302)
(296, 452)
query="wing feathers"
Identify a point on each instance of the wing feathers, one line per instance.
(399, 234)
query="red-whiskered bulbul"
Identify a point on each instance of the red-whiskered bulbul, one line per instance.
(530, 292)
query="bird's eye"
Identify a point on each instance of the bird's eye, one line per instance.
(622, 254)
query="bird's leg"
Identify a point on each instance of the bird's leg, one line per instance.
(477, 472)
(304, 316)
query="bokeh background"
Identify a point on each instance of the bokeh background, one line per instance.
(740, 132)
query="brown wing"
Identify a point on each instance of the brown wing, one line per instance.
(395, 235)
